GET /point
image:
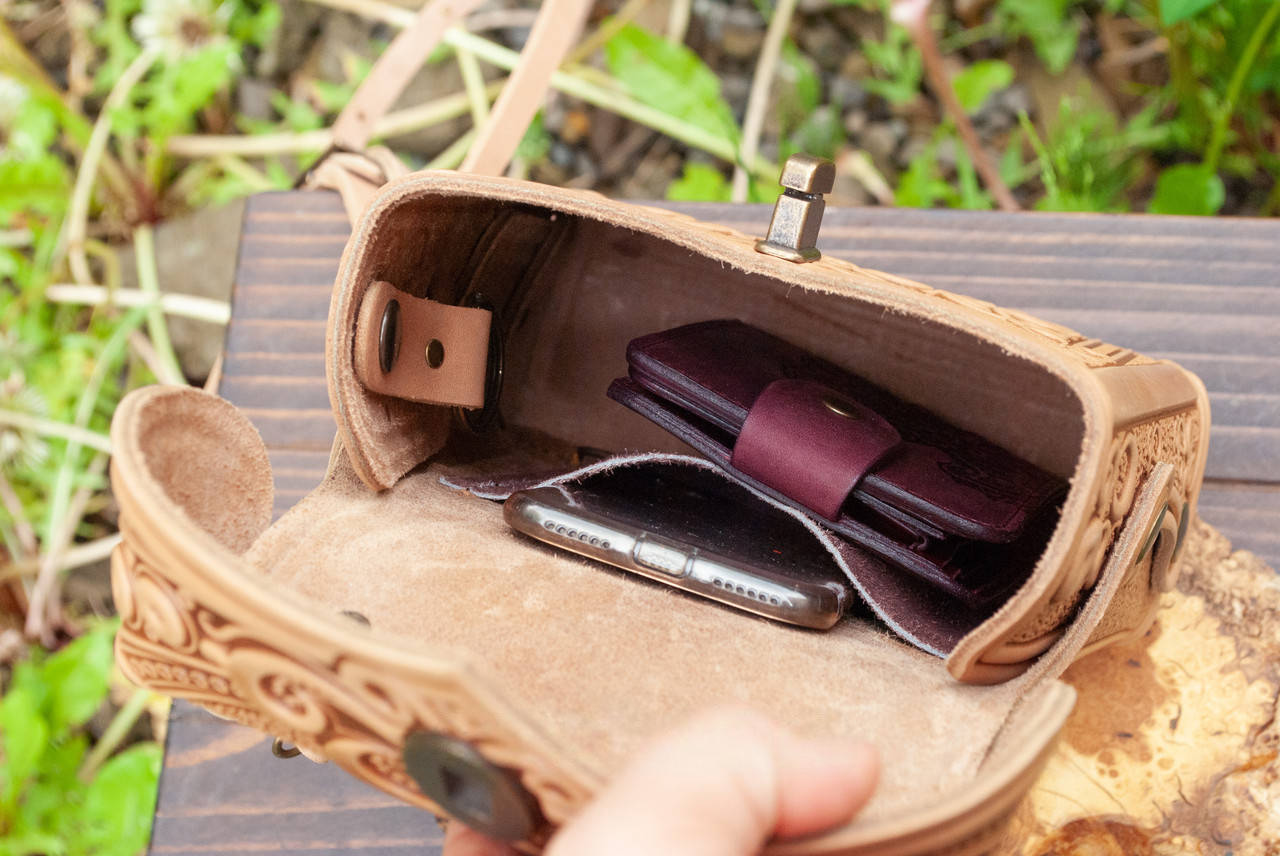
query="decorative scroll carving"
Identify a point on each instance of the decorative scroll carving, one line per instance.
(353, 712)
(1134, 453)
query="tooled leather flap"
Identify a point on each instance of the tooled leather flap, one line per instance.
(421, 350)
(811, 444)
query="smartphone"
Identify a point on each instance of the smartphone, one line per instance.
(694, 530)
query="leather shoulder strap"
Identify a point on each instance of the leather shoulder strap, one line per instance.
(394, 69)
(554, 32)
(552, 36)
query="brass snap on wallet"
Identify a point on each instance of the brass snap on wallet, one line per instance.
(502, 683)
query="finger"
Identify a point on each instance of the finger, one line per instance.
(461, 840)
(722, 785)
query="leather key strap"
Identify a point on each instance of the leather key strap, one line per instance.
(811, 444)
(419, 349)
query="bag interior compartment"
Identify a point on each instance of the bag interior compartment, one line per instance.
(587, 288)
(571, 301)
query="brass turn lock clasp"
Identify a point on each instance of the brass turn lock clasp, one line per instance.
(797, 216)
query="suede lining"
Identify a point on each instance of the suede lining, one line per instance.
(604, 659)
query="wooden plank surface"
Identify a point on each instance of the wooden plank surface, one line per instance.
(1205, 292)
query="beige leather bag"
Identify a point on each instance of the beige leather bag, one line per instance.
(393, 624)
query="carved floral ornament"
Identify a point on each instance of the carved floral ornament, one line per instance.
(349, 711)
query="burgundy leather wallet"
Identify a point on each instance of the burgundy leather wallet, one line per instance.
(889, 476)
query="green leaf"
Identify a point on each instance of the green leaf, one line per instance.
(298, 115)
(182, 89)
(1173, 11)
(1187, 188)
(921, 184)
(700, 183)
(899, 60)
(116, 815)
(821, 134)
(971, 195)
(536, 142)
(24, 738)
(980, 80)
(799, 89)
(671, 78)
(77, 678)
(1052, 31)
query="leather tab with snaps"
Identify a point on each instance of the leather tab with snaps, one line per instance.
(811, 444)
(422, 350)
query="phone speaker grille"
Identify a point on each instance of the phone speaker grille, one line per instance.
(745, 591)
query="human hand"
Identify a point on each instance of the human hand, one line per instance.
(722, 784)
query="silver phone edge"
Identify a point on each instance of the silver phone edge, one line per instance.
(818, 608)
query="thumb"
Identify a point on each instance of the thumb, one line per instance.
(722, 785)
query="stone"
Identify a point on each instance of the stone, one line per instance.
(847, 93)
(253, 99)
(881, 140)
(195, 254)
(855, 121)
(824, 44)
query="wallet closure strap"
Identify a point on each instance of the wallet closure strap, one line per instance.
(811, 443)
(420, 349)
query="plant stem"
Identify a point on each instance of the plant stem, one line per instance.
(115, 733)
(149, 281)
(266, 145)
(678, 20)
(917, 24)
(73, 557)
(1247, 57)
(16, 238)
(21, 525)
(606, 31)
(473, 80)
(81, 195)
(232, 165)
(60, 523)
(44, 609)
(183, 305)
(758, 100)
(51, 428)
(453, 155)
(142, 348)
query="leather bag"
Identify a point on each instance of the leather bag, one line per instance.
(391, 623)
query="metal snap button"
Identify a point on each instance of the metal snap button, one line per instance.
(457, 778)
(840, 406)
(389, 336)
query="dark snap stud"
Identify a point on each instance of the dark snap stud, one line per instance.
(389, 336)
(457, 778)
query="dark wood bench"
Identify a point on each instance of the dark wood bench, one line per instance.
(1204, 292)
